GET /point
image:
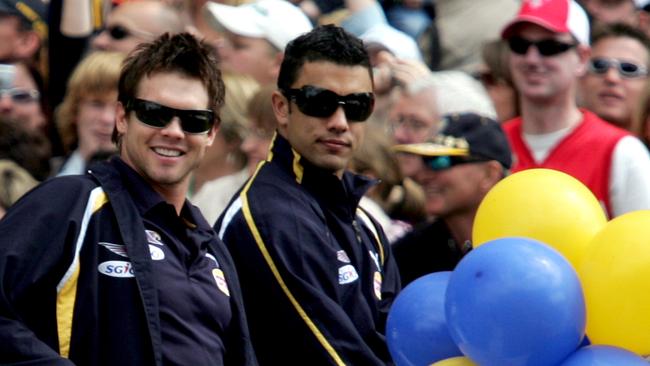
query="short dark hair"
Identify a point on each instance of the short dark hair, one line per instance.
(172, 53)
(324, 43)
(616, 30)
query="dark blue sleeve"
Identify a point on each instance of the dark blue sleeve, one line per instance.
(36, 247)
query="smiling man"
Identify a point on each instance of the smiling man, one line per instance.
(317, 273)
(617, 74)
(115, 266)
(549, 52)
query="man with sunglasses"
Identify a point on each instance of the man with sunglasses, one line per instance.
(617, 74)
(549, 52)
(116, 267)
(459, 166)
(317, 274)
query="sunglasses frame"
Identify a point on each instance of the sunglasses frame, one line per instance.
(447, 162)
(641, 71)
(546, 47)
(141, 107)
(124, 32)
(19, 95)
(352, 106)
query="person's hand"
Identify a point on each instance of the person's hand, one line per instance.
(406, 72)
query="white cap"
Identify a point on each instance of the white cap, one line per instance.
(397, 42)
(277, 21)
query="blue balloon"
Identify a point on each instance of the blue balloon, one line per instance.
(416, 330)
(515, 302)
(604, 356)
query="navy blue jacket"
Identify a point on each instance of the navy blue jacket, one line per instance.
(56, 308)
(317, 275)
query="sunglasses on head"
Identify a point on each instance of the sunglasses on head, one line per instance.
(625, 69)
(440, 163)
(318, 102)
(19, 95)
(158, 116)
(545, 47)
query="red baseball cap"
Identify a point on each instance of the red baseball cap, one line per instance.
(558, 16)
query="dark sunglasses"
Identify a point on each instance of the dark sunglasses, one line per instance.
(625, 69)
(318, 102)
(158, 116)
(22, 96)
(119, 32)
(546, 47)
(439, 163)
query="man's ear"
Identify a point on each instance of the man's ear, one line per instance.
(212, 133)
(121, 124)
(281, 110)
(584, 53)
(493, 174)
(27, 45)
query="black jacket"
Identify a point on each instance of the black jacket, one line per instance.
(54, 301)
(317, 275)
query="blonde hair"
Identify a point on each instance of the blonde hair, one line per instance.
(97, 74)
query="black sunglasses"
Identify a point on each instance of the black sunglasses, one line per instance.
(626, 69)
(158, 116)
(546, 47)
(439, 163)
(318, 102)
(119, 32)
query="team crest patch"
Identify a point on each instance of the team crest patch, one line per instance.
(347, 274)
(153, 237)
(377, 285)
(342, 256)
(220, 279)
(156, 253)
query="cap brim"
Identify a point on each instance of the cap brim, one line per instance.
(430, 149)
(234, 19)
(507, 31)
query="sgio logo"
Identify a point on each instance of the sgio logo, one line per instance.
(120, 269)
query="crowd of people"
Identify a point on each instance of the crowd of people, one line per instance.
(253, 182)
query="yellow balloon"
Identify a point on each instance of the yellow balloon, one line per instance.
(615, 276)
(455, 361)
(542, 204)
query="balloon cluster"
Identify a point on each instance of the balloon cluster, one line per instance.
(547, 269)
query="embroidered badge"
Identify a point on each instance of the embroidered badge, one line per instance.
(153, 237)
(377, 285)
(347, 274)
(156, 253)
(342, 256)
(220, 279)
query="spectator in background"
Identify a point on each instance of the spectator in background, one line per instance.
(617, 73)
(614, 11)
(21, 100)
(255, 35)
(23, 31)
(86, 118)
(549, 52)
(225, 156)
(135, 22)
(641, 120)
(14, 183)
(460, 165)
(394, 202)
(215, 195)
(495, 76)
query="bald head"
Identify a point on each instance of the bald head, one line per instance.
(135, 22)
